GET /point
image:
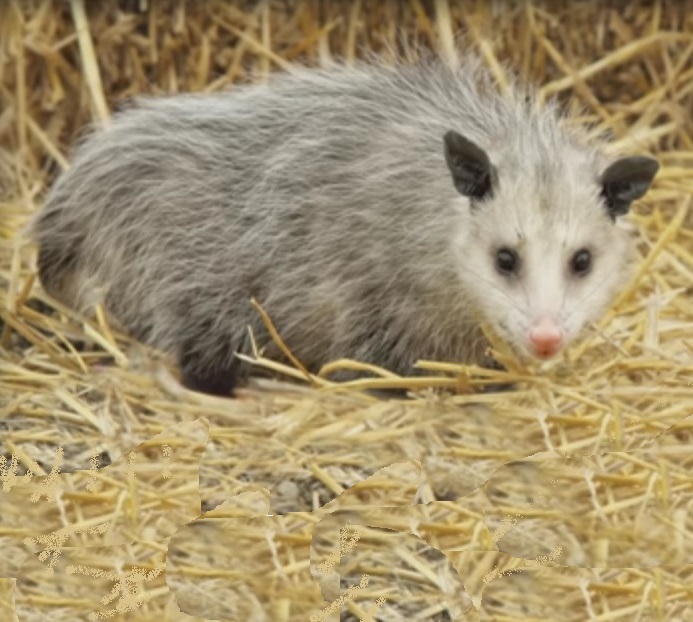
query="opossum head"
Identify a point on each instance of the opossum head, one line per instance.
(542, 249)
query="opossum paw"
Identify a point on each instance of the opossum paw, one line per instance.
(490, 363)
(212, 370)
(219, 382)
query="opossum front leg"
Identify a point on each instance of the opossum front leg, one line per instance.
(216, 371)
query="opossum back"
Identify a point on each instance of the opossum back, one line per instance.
(228, 169)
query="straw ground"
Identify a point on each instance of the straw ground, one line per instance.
(74, 383)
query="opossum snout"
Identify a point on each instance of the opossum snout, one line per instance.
(546, 338)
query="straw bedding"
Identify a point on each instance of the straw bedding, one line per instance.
(598, 525)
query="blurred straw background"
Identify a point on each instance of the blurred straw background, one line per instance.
(74, 383)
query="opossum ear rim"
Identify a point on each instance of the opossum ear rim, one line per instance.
(625, 181)
(471, 169)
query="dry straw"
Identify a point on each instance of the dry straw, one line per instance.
(80, 385)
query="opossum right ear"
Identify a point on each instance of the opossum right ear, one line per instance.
(627, 180)
(471, 168)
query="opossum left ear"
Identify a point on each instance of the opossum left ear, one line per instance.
(472, 171)
(625, 181)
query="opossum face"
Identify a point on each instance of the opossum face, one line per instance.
(542, 249)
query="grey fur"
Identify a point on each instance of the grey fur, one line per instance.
(325, 195)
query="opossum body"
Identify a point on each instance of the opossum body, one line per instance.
(377, 213)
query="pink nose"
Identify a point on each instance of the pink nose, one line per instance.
(546, 339)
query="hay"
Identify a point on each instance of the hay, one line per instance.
(627, 387)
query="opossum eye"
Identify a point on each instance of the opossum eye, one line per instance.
(507, 261)
(581, 262)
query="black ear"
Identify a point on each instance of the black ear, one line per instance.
(626, 180)
(472, 171)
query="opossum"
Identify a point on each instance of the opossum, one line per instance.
(378, 212)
